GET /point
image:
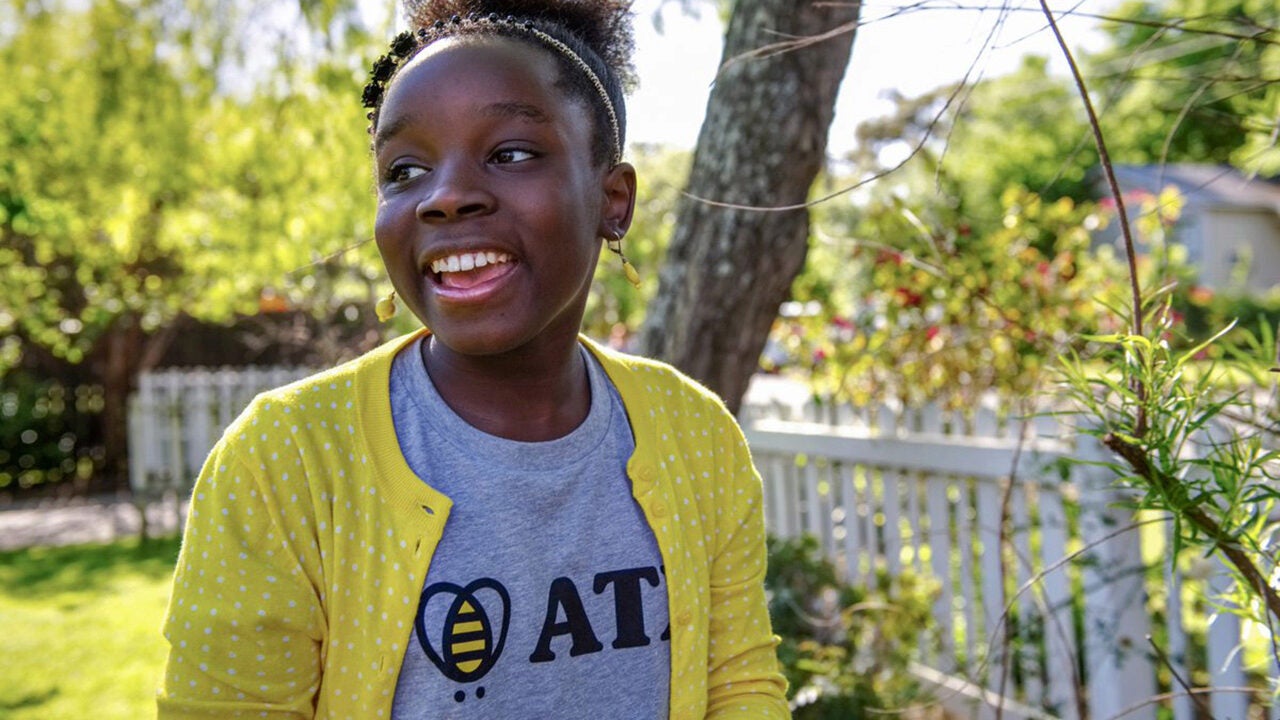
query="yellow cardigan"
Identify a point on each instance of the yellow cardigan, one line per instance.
(309, 538)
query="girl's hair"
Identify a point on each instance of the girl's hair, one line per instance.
(590, 41)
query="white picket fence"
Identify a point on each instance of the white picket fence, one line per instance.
(892, 492)
(176, 416)
(1056, 623)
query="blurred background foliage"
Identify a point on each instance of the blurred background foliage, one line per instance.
(845, 649)
(165, 165)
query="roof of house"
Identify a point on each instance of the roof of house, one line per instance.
(1203, 185)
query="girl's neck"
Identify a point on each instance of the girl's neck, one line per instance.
(529, 396)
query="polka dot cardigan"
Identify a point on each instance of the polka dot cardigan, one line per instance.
(309, 537)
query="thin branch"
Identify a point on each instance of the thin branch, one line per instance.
(1008, 609)
(1105, 158)
(1164, 658)
(1006, 500)
(1137, 459)
(1261, 36)
(1161, 697)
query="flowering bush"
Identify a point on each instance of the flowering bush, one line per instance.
(917, 307)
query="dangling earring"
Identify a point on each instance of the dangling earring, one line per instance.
(615, 245)
(386, 307)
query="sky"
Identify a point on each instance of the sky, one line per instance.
(911, 52)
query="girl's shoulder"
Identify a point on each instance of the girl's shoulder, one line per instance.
(332, 393)
(655, 386)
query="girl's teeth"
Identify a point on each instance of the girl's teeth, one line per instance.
(468, 261)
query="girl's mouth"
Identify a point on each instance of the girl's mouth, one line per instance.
(469, 272)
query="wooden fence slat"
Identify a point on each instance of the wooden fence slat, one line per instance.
(914, 484)
(987, 511)
(1059, 625)
(856, 548)
(939, 510)
(891, 510)
(828, 503)
(1177, 646)
(973, 457)
(773, 489)
(1115, 614)
(1026, 660)
(1226, 666)
(968, 570)
(814, 522)
(197, 418)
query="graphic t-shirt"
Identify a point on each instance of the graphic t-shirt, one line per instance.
(546, 596)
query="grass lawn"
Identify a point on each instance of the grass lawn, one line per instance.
(80, 630)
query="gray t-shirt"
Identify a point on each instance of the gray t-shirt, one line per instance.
(545, 597)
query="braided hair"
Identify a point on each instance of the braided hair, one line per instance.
(590, 40)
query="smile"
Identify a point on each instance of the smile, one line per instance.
(465, 262)
(470, 271)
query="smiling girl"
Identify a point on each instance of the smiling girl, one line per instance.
(495, 518)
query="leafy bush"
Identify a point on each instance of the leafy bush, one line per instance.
(48, 432)
(918, 304)
(1203, 313)
(845, 649)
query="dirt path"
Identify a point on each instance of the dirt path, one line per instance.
(82, 520)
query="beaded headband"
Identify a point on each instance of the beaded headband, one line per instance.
(404, 45)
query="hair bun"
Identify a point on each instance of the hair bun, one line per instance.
(603, 25)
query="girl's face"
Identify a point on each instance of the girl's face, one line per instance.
(490, 209)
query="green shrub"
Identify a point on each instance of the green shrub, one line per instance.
(49, 432)
(845, 649)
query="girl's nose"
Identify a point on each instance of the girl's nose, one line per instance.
(455, 192)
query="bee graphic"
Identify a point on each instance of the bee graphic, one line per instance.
(466, 647)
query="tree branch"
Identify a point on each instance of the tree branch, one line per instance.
(1137, 459)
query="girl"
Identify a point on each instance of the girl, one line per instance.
(495, 517)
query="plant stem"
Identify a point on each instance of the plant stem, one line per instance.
(1121, 213)
(1137, 459)
(1199, 701)
(1105, 159)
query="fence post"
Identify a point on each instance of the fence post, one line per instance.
(197, 417)
(1121, 673)
(1226, 668)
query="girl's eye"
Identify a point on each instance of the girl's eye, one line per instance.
(511, 155)
(403, 173)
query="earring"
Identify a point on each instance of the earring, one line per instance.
(615, 245)
(386, 307)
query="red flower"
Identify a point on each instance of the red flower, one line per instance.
(908, 298)
(884, 256)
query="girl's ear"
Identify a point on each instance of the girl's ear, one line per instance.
(619, 200)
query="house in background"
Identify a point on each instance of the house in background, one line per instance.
(1230, 224)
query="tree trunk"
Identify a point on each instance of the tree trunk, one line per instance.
(122, 341)
(129, 352)
(762, 144)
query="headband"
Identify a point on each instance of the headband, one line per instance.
(404, 45)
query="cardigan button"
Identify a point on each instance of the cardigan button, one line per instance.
(684, 618)
(659, 509)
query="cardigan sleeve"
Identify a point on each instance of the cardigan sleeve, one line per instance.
(245, 621)
(743, 677)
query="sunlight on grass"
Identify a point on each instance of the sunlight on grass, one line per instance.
(81, 630)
